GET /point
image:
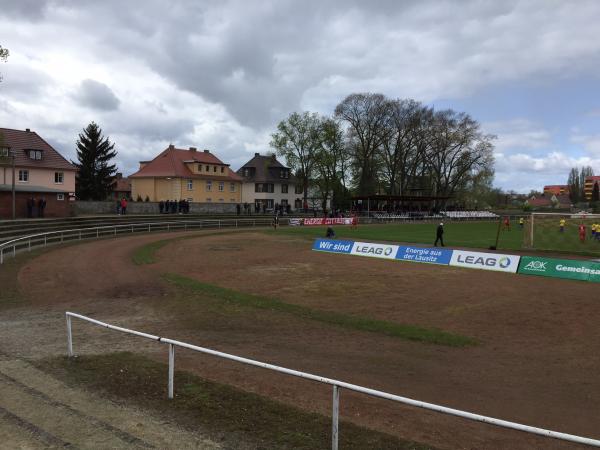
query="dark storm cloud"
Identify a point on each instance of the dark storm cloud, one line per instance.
(31, 10)
(96, 95)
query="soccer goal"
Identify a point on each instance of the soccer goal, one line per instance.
(563, 232)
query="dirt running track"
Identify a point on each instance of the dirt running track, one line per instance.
(537, 364)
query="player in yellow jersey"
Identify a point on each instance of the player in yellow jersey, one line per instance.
(562, 223)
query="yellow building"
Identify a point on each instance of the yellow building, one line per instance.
(177, 174)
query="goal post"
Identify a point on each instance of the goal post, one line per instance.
(561, 232)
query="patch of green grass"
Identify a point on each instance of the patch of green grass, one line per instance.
(145, 254)
(402, 331)
(456, 234)
(243, 419)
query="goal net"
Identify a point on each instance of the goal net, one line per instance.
(562, 232)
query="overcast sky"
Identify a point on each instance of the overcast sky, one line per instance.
(222, 74)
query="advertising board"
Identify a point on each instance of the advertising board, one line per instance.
(485, 261)
(560, 268)
(329, 221)
(332, 246)
(385, 251)
(424, 255)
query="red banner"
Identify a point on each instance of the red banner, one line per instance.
(331, 221)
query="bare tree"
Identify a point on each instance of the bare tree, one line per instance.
(368, 117)
(458, 150)
(3, 56)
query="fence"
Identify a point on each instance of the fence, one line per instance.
(53, 237)
(336, 384)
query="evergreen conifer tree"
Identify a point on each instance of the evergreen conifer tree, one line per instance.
(95, 174)
(595, 193)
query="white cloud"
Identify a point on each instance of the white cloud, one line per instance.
(222, 74)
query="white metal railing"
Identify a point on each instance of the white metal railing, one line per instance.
(337, 385)
(43, 239)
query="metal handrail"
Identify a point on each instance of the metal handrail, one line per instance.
(337, 385)
(100, 231)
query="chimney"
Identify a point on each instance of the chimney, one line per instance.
(193, 149)
(119, 175)
(27, 130)
(171, 147)
(257, 154)
(206, 150)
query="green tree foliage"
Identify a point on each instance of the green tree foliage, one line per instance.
(332, 161)
(298, 140)
(595, 193)
(95, 174)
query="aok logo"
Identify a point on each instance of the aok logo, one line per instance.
(539, 266)
(368, 250)
(480, 261)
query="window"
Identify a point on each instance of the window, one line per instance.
(221, 186)
(59, 177)
(299, 189)
(35, 154)
(214, 168)
(4, 152)
(284, 188)
(232, 200)
(222, 169)
(190, 199)
(208, 186)
(24, 176)
(207, 168)
(199, 167)
(208, 199)
(264, 187)
(60, 196)
(232, 187)
(245, 172)
(221, 200)
(190, 185)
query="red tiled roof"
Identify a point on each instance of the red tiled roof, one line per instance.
(171, 163)
(20, 141)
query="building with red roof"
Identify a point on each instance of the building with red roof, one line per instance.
(196, 176)
(557, 189)
(41, 175)
(588, 186)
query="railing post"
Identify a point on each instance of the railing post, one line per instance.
(148, 228)
(171, 368)
(79, 234)
(14, 250)
(45, 240)
(2, 255)
(69, 337)
(335, 414)
(168, 227)
(115, 231)
(97, 232)
(61, 236)
(29, 244)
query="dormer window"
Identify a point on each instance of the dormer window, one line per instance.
(222, 169)
(245, 172)
(35, 154)
(4, 152)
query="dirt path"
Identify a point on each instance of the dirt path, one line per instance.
(525, 370)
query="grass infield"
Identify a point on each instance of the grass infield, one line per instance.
(223, 413)
(402, 331)
(456, 234)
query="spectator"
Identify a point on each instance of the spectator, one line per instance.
(439, 235)
(123, 206)
(161, 206)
